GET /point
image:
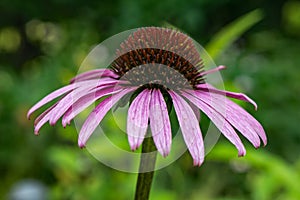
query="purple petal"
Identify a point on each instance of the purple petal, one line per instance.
(160, 123)
(238, 117)
(190, 128)
(137, 119)
(84, 102)
(97, 115)
(240, 96)
(42, 119)
(58, 93)
(50, 97)
(44, 113)
(196, 111)
(41, 122)
(219, 121)
(94, 74)
(66, 102)
(221, 67)
(245, 121)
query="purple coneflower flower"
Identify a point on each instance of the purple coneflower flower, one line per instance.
(161, 66)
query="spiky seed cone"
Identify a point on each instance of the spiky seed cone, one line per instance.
(159, 56)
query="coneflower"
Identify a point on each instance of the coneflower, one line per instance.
(156, 64)
(159, 69)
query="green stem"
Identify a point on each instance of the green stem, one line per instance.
(146, 170)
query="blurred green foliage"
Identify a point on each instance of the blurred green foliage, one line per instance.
(43, 43)
(221, 40)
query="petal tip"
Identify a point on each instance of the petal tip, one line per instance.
(29, 113)
(221, 67)
(52, 123)
(65, 123)
(265, 141)
(164, 153)
(255, 106)
(197, 163)
(36, 130)
(251, 101)
(134, 146)
(242, 154)
(132, 149)
(265, 144)
(256, 144)
(81, 144)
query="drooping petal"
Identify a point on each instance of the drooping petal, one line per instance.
(84, 102)
(94, 74)
(190, 128)
(219, 121)
(240, 96)
(58, 93)
(97, 115)
(160, 123)
(250, 122)
(42, 119)
(41, 122)
(238, 117)
(44, 113)
(137, 119)
(66, 102)
(50, 97)
(221, 67)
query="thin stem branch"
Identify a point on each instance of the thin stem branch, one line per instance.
(146, 170)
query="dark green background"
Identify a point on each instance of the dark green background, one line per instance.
(42, 44)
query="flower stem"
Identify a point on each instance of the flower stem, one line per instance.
(146, 170)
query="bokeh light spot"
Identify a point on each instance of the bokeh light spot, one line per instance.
(10, 39)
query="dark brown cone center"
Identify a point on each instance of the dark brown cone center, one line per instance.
(156, 66)
(155, 55)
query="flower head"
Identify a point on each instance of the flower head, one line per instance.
(161, 67)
